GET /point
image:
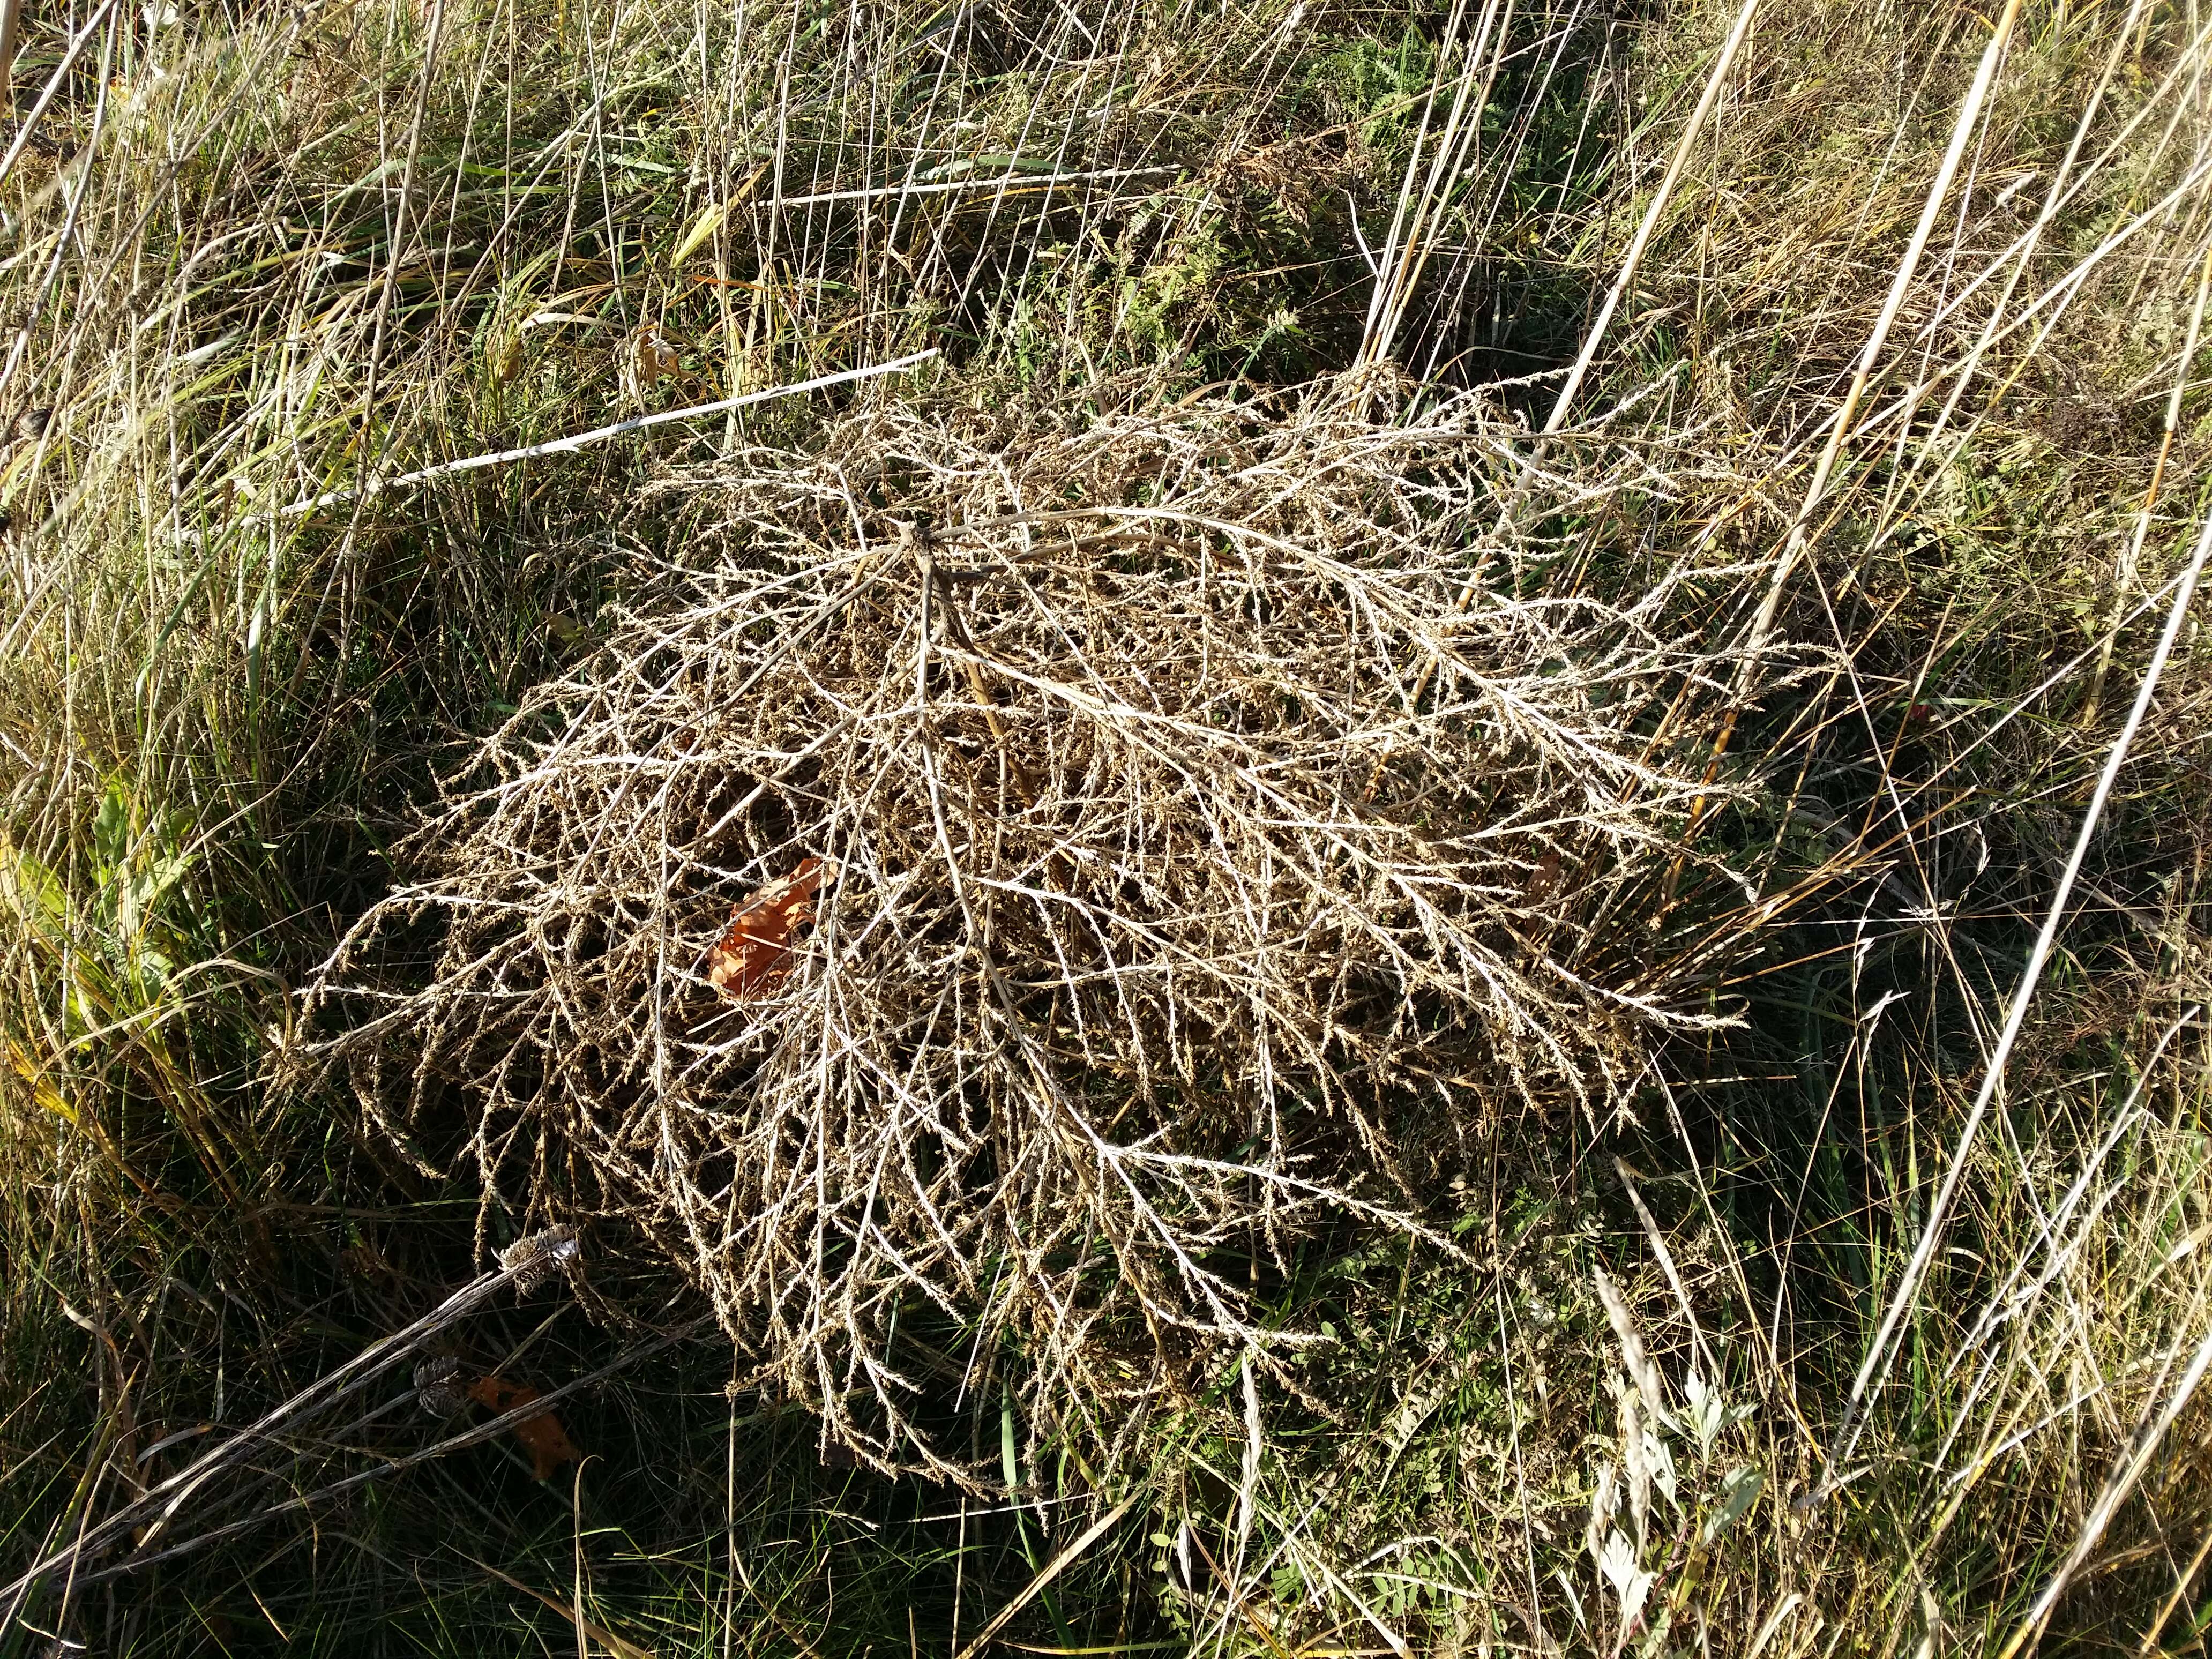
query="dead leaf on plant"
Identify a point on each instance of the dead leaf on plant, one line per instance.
(652, 358)
(542, 1436)
(755, 952)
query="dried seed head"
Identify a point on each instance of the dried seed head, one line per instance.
(537, 1259)
(438, 1386)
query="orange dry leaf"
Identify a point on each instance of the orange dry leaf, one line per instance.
(652, 358)
(542, 1436)
(755, 952)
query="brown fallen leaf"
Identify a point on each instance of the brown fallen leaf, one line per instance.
(1543, 878)
(542, 1436)
(755, 952)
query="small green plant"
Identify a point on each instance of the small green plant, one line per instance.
(1649, 1561)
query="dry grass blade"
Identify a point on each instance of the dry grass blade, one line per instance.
(1059, 1564)
(574, 441)
(1593, 337)
(1881, 1351)
(1962, 130)
(619, 1646)
(2120, 1485)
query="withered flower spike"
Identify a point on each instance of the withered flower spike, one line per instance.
(537, 1259)
(438, 1388)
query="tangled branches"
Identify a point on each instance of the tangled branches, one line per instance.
(1219, 844)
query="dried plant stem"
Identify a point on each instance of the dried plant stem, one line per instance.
(2123, 573)
(1059, 1564)
(74, 51)
(2141, 1447)
(599, 434)
(11, 17)
(1970, 116)
(1716, 80)
(1794, 543)
(1880, 1352)
(144, 1519)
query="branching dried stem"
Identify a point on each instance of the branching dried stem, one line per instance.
(1126, 967)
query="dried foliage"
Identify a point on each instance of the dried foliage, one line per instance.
(1239, 816)
(1206, 864)
(755, 951)
(542, 1436)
